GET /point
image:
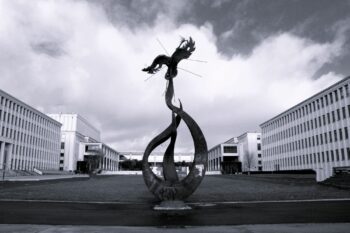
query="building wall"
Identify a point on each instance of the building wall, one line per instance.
(157, 157)
(219, 153)
(28, 138)
(109, 159)
(249, 145)
(75, 130)
(311, 135)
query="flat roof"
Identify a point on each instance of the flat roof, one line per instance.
(303, 102)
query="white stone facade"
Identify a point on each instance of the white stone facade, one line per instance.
(110, 159)
(75, 130)
(250, 153)
(28, 138)
(78, 135)
(311, 135)
(224, 152)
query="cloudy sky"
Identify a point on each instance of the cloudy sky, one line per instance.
(85, 56)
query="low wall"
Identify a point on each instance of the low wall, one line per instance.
(121, 173)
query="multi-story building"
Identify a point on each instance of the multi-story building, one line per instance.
(108, 158)
(156, 160)
(75, 130)
(314, 134)
(81, 147)
(224, 157)
(28, 138)
(249, 150)
(238, 154)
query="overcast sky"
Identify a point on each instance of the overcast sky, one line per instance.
(86, 57)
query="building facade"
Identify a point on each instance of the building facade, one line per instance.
(75, 130)
(104, 157)
(224, 157)
(314, 134)
(28, 138)
(156, 160)
(250, 153)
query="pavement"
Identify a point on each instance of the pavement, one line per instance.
(42, 177)
(62, 211)
(268, 228)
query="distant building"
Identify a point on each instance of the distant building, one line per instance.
(81, 147)
(224, 157)
(238, 154)
(249, 150)
(314, 134)
(156, 159)
(28, 138)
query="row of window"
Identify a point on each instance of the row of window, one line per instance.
(306, 126)
(315, 140)
(323, 101)
(23, 111)
(20, 137)
(310, 159)
(25, 124)
(21, 164)
(28, 152)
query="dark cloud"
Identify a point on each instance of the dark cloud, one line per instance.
(52, 49)
(254, 69)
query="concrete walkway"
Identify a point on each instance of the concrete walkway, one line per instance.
(268, 228)
(42, 177)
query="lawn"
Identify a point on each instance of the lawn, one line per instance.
(212, 189)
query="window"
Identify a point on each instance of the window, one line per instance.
(346, 134)
(336, 95)
(337, 154)
(259, 146)
(62, 145)
(340, 134)
(344, 112)
(331, 98)
(230, 149)
(332, 155)
(328, 118)
(341, 93)
(338, 114)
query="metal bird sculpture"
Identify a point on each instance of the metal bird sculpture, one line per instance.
(183, 51)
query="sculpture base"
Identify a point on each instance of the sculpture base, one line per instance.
(172, 205)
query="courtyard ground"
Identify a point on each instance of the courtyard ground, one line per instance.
(225, 188)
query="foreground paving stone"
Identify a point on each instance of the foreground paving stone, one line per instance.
(268, 228)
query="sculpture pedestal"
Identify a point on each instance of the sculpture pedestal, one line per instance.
(172, 205)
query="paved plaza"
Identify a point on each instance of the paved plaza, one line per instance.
(232, 203)
(132, 189)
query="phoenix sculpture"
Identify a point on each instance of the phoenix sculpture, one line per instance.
(170, 188)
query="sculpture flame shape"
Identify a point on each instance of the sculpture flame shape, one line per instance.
(171, 188)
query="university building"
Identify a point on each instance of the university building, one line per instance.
(238, 154)
(183, 160)
(81, 147)
(314, 134)
(250, 153)
(28, 138)
(224, 157)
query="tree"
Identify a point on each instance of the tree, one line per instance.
(249, 161)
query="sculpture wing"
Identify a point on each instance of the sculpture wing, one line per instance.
(184, 50)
